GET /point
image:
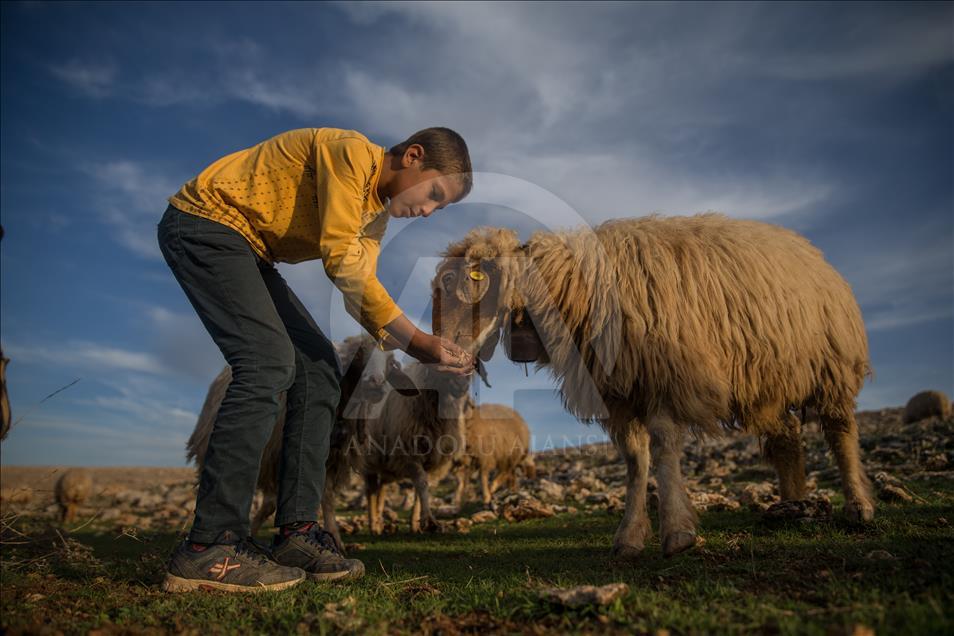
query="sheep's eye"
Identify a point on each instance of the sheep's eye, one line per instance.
(447, 280)
(477, 275)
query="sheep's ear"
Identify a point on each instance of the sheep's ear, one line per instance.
(402, 383)
(436, 311)
(490, 344)
(482, 372)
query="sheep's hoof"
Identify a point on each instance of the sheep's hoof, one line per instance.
(859, 511)
(623, 552)
(677, 542)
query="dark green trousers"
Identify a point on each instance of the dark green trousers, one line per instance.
(273, 345)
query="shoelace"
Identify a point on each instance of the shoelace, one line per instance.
(322, 539)
(254, 550)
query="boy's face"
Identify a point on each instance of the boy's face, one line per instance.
(418, 191)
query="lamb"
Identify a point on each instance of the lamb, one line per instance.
(497, 439)
(658, 326)
(416, 438)
(927, 404)
(363, 387)
(72, 490)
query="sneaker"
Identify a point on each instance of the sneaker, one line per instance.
(314, 551)
(241, 567)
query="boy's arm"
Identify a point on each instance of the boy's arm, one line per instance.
(349, 254)
(342, 169)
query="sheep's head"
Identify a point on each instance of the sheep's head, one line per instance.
(474, 289)
(370, 373)
(475, 295)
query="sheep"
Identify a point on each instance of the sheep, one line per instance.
(497, 439)
(416, 438)
(72, 490)
(927, 404)
(655, 326)
(363, 386)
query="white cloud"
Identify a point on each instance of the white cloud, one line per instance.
(88, 355)
(131, 197)
(92, 79)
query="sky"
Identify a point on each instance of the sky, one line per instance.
(834, 120)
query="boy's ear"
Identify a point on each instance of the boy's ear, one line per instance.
(414, 152)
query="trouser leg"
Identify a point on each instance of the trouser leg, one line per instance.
(312, 405)
(222, 278)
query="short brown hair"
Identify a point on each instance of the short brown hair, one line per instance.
(445, 151)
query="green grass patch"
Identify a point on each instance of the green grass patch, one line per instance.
(751, 576)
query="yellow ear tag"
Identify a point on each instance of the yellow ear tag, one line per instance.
(477, 275)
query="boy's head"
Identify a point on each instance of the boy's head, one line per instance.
(425, 172)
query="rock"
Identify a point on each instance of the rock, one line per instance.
(894, 493)
(483, 516)
(462, 526)
(550, 491)
(880, 555)
(758, 496)
(446, 511)
(891, 488)
(712, 501)
(805, 509)
(584, 595)
(524, 509)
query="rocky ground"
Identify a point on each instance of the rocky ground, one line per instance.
(723, 473)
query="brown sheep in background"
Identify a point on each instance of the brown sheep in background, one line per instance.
(363, 386)
(927, 404)
(655, 327)
(497, 440)
(416, 438)
(72, 490)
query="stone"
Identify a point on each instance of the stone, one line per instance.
(584, 595)
(483, 516)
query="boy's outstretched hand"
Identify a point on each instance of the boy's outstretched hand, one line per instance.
(430, 349)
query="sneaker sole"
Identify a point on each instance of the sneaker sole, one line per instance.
(332, 576)
(174, 583)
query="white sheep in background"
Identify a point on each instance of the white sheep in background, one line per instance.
(416, 438)
(363, 386)
(657, 326)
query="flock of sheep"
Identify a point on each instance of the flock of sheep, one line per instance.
(651, 327)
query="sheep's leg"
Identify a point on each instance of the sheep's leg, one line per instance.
(462, 475)
(416, 515)
(328, 517)
(382, 500)
(842, 436)
(426, 520)
(485, 491)
(632, 441)
(266, 510)
(784, 451)
(373, 491)
(677, 517)
(499, 478)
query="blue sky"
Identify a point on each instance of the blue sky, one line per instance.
(836, 120)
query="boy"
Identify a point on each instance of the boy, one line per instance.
(304, 194)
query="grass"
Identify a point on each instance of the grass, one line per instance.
(749, 577)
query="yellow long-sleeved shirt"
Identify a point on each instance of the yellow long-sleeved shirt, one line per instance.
(301, 195)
